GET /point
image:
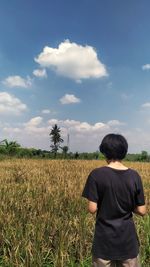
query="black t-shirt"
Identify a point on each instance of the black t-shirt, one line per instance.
(117, 193)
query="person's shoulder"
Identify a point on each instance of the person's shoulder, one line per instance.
(134, 174)
(134, 171)
(98, 171)
(106, 169)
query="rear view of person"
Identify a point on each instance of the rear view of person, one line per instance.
(115, 192)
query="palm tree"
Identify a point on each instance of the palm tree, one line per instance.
(55, 139)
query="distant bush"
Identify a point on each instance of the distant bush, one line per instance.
(13, 149)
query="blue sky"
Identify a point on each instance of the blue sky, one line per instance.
(84, 65)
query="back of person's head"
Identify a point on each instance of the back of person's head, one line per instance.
(114, 147)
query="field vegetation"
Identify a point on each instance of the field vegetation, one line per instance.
(12, 149)
(44, 220)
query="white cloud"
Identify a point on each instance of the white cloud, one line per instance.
(34, 121)
(11, 129)
(86, 127)
(146, 105)
(73, 61)
(146, 67)
(33, 127)
(46, 111)
(53, 121)
(80, 127)
(9, 104)
(41, 73)
(115, 123)
(84, 136)
(69, 123)
(17, 81)
(69, 99)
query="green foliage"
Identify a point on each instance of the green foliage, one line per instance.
(10, 149)
(143, 156)
(65, 150)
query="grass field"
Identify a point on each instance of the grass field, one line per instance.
(43, 218)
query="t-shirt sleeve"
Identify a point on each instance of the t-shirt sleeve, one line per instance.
(90, 190)
(139, 195)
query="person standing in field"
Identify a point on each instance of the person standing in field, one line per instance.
(115, 192)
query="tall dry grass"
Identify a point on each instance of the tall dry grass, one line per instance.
(43, 219)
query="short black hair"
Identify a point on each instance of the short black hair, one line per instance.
(114, 146)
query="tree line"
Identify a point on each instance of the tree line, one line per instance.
(57, 150)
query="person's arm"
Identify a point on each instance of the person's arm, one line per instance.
(140, 207)
(92, 207)
(140, 210)
(90, 192)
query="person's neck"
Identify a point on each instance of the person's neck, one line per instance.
(116, 164)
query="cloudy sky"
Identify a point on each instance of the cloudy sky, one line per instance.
(84, 65)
